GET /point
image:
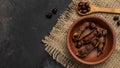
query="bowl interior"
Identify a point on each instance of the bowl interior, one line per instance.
(92, 57)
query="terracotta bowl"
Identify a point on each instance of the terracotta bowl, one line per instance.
(92, 58)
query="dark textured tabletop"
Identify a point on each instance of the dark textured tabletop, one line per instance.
(22, 27)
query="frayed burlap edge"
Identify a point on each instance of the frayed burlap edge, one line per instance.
(56, 42)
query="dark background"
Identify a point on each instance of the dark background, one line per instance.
(22, 27)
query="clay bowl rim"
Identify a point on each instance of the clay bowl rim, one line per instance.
(108, 25)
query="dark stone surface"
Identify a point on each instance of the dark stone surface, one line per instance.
(22, 26)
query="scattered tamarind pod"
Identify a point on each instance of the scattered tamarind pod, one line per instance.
(102, 41)
(90, 36)
(84, 26)
(85, 50)
(85, 33)
(79, 34)
(76, 35)
(82, 52)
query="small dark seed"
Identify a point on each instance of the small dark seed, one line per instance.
(80, 4)
(118, 23)
(115, 18)
(83, 11)
(54, 11)
(49, 15)
(104, 32)
(74, 40)
(92, 26)
(79, 44)
(83, 7)
(86, 4)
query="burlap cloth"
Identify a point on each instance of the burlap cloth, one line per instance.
(56, 42)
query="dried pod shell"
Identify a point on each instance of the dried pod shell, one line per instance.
(82, 52)
(85, 33)
(101, 45)
(79, 34)
(90, 36)
(85, 50)
(82, 29)
(100, 49)
(84, 26)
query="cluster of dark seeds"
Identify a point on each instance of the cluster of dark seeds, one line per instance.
(83, 7)
(49, 15)
(88, 38)
(116, 18)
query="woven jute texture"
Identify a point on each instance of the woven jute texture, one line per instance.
(56, 42)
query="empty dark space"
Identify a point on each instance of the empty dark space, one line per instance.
(22, 27)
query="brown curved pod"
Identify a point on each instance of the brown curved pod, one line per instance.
(92, 58)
